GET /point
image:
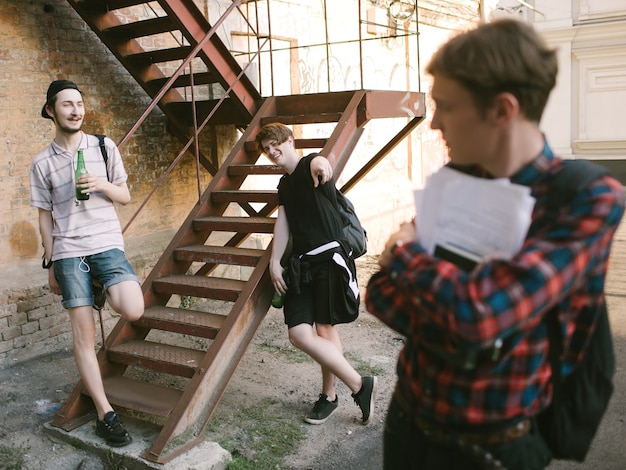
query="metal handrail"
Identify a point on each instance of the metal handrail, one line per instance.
(166, 87)
(252, 56)
(184, 149)
(327, 44)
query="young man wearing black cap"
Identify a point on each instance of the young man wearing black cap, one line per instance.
(83, 239)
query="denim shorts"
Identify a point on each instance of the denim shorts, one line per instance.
(75, 275)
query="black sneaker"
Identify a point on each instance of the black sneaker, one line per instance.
(99, 297)
(365, 398)
(322, 409)
(111, 429)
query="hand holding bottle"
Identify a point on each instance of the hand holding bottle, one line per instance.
(86, 183)
(280, 290)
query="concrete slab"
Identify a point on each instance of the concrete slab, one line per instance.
(205, 456)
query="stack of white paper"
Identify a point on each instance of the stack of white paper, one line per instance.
(474, 217)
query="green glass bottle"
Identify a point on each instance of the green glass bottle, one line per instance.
(80, 171)
(279, 299)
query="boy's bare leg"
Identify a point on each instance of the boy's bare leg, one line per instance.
(326, 354)
(329, 382)
(126, 298)
(84, 334)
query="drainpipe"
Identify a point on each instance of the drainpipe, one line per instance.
(483, 11)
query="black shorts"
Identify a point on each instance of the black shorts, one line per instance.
(312, 304)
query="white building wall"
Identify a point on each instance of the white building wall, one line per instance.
(584, 117)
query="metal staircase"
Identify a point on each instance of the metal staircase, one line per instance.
(213, 242)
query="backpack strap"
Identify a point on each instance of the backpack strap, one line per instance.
(575, 176)
(105, 155)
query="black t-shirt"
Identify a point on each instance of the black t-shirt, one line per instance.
(308, 226)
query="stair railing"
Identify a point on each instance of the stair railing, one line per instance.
(400, 15)
(197, 129)
(182, 153)
(263, 46)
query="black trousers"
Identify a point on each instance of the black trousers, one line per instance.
(406, 447)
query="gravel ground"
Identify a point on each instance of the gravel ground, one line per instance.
(33, 390)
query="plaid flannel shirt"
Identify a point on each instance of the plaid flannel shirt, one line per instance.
(562, 264)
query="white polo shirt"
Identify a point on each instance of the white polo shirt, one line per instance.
(87, 228)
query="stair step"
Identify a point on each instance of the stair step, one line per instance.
(139, 29)
(231, 255)
(252, 169)
(227, 113)
(159, 357)
(109, 5)
(200, 286)
(160, 55)
(240, 195)
(202, 78)
(250, 145)
(234, 224)
(310, 143)
(303, 118)
(140, 396)
(188, 322)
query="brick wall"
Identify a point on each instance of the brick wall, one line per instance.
(29, 319)
(41, 41)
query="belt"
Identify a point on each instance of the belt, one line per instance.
(440, 434)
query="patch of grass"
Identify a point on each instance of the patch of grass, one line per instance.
(259, 436)
(364, 368)
(113, 462)
(185, 301)
(12, 458)
(289, 353)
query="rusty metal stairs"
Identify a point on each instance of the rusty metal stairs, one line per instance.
(153, 39)
(174, 364)
(224, 209)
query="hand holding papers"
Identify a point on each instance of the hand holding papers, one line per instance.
(462, 215)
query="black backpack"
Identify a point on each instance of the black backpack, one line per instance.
(579, 400)
(353, 232)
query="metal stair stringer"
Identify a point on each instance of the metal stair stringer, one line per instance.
(202, 394)
(347, 133)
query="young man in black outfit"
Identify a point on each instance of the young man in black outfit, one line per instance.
(314, 236)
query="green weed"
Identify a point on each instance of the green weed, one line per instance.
(12, 458)
(365, 368)
(257, 436)
(289, 353)
(114, 462)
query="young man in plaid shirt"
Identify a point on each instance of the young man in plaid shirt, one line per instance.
(490, 87)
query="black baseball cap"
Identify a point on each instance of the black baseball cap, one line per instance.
(55, 87)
